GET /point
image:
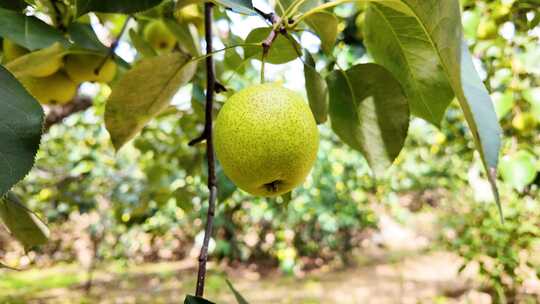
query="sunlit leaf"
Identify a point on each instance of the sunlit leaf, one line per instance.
(369, 112)
(143, 92)
(30, 63)
(518, 170)
(281, 51)
(22, 223)
(21, 121)
(441, 22)
(398, 42)
(325, 25)
(117, 6)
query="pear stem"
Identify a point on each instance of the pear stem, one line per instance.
(112, 48)
(208, 134)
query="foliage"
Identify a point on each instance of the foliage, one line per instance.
(377, 64)
(503, 255)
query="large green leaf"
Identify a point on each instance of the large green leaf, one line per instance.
(196, 300)
(325, 25)
(142, 46)
(32, 62)
(518, 170)
(281, 51)
(398, 42)
(83, 36)
(239, 298)
(28, 31)
(16, 5)
(21, 121)
(316, 89)
(144, 92)
(369, 112)
(441, 21)
(116, 6)
(186, 34)
(22, 223)
(239, 6)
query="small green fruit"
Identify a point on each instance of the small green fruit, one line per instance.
(159, 36)
(12, 51)
(524, 122)
(487, 29)
(82, 68)
(54, 89)
(266, 139)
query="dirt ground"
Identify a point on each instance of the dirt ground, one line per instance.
(396, 269)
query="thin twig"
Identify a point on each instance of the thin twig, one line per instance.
(112, 48)
(212, 184)
(59, 113)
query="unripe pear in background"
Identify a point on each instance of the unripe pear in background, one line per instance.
(524, 122)
(159, 36)
(86, 67)
(12, 51)
(55, 89)
(266, 139)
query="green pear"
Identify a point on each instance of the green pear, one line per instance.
(54, 89)
(12, 51)
(266, 139)
(524, 122)
(82, 68)
(159, 36)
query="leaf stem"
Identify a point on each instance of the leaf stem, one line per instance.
(210, 155)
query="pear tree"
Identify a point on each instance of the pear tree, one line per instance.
(264, 136)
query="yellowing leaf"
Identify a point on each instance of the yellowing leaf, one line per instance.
(144, 92)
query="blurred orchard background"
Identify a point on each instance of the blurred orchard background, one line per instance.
(126, 227)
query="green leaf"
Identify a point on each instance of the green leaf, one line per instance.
(116, 6)
(316, 89)
(239, 6)
(27, 65)
(196, 300)
(282, 49)
(325, 25)
(144, 92)
(28, 31)
(187, 36)
(83, 36)
(503, 103)
(226, 187)
(239, 298)
(369, 112)
(398, 42)
(533, 97)
(21, 121)
(305, 5)
(441, 22)
(15, 5)
(22, 223)
(141, 45)
(518, 170)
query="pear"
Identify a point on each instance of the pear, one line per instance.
(12, 51)
(54, 89)
(159, 36)
(266, 139)
(86, 67)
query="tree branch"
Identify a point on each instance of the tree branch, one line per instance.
(57, 114)
(208, 134)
